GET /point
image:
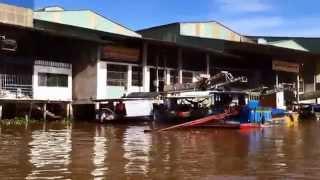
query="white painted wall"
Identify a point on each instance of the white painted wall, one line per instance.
(310, 101)
(102, 80)
(52, 93)
(135, 89)
(108, 92)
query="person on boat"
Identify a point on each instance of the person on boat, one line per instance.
(121, 109)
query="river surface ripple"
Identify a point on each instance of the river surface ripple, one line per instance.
(83, 150)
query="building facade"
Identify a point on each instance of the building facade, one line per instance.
(259, 55)
(80, 57)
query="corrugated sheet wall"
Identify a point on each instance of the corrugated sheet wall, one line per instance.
(21, 3)
(16, 15)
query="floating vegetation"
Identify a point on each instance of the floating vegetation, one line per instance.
(17, 121)
(68, 120)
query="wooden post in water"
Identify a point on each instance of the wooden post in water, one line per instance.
(97, 111)
(44, 111)
(1, 108)
(26, 117)
(69, 111)
(30, 109)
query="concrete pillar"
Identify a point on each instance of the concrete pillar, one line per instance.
(101, 77)
(315, 83)
(180, 65)
(129, 80)
(277, 80)
(208, 64)
(194, 77)
(298, 89)
(166, 71)
(145, 69)
(44, 111)
(157, 73)
(168, 76)
(97, 106)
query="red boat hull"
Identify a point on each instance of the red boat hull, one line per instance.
(250, 126)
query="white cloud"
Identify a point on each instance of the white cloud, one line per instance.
(275, 26)
(263, 17)
(254, 24)
(302, 27)
(243, 6)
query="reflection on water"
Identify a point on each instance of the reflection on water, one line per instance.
(90, 151)
(99, 154)
(136, 145)
(50, 154)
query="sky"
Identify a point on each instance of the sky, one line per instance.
(248, 17)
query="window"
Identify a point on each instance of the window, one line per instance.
(136, 76)
(53, 80)
(174, 78)
(117, 75)
(187, 77)
(301, 85)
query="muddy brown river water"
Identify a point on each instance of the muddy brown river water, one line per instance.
(82, 151)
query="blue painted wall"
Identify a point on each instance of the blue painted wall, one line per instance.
(21, 3)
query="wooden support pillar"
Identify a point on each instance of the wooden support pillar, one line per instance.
(30, 109)
(277, 80)
(97, 111)
(69, 111)
(28, 116)
(180, 65)
(44, 111)
(1, 113)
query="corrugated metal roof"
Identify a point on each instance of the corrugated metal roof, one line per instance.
(311, 44)
(207, 29)
(85, 19)
(290, 44)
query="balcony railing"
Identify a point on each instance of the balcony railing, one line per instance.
(16, 86)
